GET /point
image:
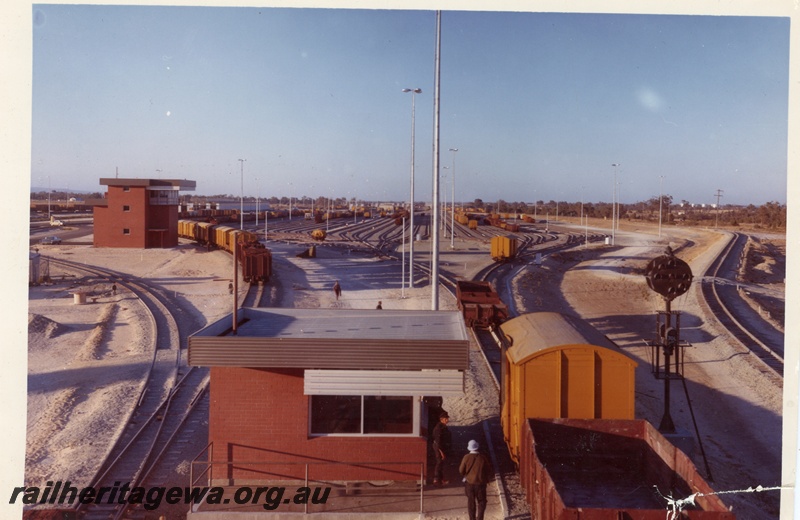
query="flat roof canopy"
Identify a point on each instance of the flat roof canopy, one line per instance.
(167, 184)
(335, 339)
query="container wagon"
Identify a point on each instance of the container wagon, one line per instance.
(599, 469)
(480, 304)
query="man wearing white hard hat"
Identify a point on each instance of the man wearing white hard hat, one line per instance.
(477, 471)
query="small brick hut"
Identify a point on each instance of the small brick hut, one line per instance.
(335, 392)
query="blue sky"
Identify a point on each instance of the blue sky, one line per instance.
(539, 105)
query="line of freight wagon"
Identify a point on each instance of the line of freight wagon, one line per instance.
(567, 413)
(254, 257)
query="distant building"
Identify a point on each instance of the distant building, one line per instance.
(138, 213)
(326, 394)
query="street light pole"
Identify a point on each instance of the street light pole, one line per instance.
(586, 228)
(435, 201)
(660, 199)
(414, 92)
(258, 189)
(614, 207)
(443, 210)
(453, 203)
(403, 264)
(241, 198)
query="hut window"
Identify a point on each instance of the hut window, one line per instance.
(365, 415)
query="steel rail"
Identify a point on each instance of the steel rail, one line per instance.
(726, 318)
(153, 305)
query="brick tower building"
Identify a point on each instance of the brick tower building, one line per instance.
(138, 213)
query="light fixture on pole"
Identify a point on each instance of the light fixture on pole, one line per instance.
(241, 198)
(413, 91)
(453, 203)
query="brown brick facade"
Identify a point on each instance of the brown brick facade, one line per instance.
(261, 416)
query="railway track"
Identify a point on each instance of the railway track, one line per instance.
(721, 296)
(168, 394)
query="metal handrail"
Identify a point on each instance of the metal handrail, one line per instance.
(209, 463)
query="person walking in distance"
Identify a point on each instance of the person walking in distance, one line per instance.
(442, 439)
(477, 471)
(337, 289)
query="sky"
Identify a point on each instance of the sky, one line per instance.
(539, 105)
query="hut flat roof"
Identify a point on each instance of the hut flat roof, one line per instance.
(358, 324)
(334, 338)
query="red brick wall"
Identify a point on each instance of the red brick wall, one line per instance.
(110, 221)
(261, 415)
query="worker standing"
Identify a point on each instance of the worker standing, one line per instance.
(442, 438)
(337, 289)
(477, 471)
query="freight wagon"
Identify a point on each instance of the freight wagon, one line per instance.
(255, 259)
(567, 413)
(503, 248)
(599, 469)
(480, 304)
(559, 366)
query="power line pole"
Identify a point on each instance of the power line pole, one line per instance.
(716, 220)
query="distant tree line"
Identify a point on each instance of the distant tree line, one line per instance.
(64, 195)
(771, 215)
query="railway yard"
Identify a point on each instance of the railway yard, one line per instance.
(101, 376)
